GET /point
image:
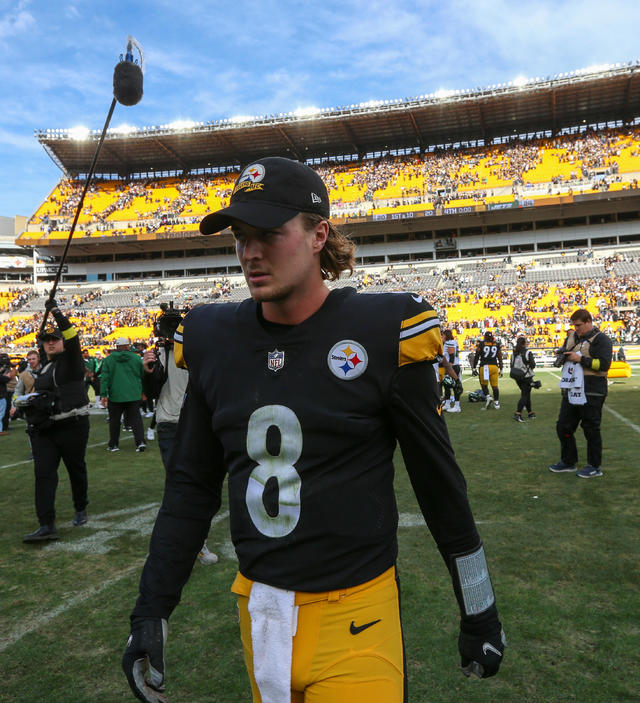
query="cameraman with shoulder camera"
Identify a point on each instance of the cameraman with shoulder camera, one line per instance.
(522, 366)
(585, 358)
(57, 414)
(168, 384)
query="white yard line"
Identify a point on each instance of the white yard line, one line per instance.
(89, 446)
(622, 418)
(615, 413)
(45, 618)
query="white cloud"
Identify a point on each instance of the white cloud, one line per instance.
(19, 140)
(15, 21)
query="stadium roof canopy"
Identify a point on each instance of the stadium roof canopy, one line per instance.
(598, 95)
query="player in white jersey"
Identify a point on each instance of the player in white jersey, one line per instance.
(452, 355)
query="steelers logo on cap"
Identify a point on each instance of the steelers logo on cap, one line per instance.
(347, 360)
(254, 173)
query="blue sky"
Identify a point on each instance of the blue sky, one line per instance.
(211, 60)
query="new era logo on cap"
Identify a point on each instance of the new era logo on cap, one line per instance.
(270, 192)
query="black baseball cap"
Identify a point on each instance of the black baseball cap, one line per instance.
(268, 193)
(50, 334)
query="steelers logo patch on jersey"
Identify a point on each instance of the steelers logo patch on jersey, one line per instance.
(347, 360)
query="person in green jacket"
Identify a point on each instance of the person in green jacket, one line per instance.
(121, 390)
(92, 374)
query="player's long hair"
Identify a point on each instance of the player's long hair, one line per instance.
(338, 253)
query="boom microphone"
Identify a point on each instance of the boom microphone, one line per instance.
(127, 76)
(127, 90)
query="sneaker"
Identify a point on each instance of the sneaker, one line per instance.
(206, 557)
(141, 447)
(496, 404)
(455, 409)
(151, 435)
(80, 518)
(561, 466)
(532, 416)
(43, 533)
(517, 417)
(589, 472)
(113, 449)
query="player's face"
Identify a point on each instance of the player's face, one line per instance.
(281, 265)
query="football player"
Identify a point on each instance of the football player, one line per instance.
(452, 354)
(488, 357)
(330, 382)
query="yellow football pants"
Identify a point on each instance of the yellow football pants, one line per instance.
(489, 374)
(348, 645)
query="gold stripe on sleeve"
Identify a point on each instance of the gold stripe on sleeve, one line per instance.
(178, 353)
(424, 346)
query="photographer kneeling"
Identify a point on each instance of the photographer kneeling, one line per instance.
(522, 366)
(57, 414)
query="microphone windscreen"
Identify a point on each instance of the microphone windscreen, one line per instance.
(127, 83)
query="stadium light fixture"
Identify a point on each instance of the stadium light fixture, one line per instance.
(79, 133)
(241, 119)
(181, 124)
(442, 94)
(307, 111)
(520, 81)
(123, 129)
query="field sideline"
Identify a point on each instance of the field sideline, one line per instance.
(563, 553)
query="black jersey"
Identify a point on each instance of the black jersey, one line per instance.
(304, 421)
(489, 353)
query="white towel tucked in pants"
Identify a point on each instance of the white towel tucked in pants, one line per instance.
(273, 625)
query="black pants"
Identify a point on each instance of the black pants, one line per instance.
(570, 416)
(132, 419)
(66, 440)
(456, 392)
(524, 384)
(166, 438)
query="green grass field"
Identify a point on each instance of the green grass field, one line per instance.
(563, 552)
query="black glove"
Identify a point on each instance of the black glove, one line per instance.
(143, 659)
(457, 388)
(50, 304)
(474, 372)
(481, 656)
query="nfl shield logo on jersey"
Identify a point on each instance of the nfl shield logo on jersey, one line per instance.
(275, 360)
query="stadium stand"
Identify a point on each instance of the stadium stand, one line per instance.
(470, 298)
(506, 222)
(571, 164)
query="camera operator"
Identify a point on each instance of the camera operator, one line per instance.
(585, 358)
(168, 384)
(522, 366)
(58, 425)
(7, 374)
